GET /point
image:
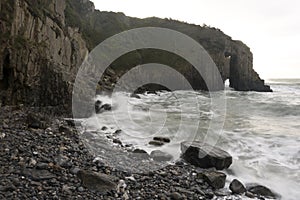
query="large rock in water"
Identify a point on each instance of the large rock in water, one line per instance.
(205, 156)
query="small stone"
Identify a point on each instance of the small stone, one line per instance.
(117, 141)
(160, 156)
(41, 165)
(117, 132)
(32, 162)
(75, 170)
(2, 135)
(209, 195)
(66, 189)
(104, 128)
(5, 126)
(222, 192)
(215, 179)
(135, 96)
(131, 178)
(121, 186)
(237, 187)
(80, 189)
(176, 196)
(249, 194)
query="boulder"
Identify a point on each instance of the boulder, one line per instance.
(106, 107)
(38, 175)
(35, 121)
(205, 156)
(117, 141)
(98, 104)
(162, 139)
(261, 191)
(70, 122)
(96, 181)
(237, 187)
(99, 108)
(117, 132)
(215, 179)
(160, 156)
(135, 96)
(156, 143)
(64, 129)
(175, 196)
(140, 153)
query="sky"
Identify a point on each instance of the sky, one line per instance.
(271, 28)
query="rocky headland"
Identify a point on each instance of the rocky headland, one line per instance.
(43, 43)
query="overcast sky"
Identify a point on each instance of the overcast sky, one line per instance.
(271, 28)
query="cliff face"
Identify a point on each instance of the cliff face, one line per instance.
(43, 42)
(39, 55)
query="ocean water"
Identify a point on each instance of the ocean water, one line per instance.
(260, 130)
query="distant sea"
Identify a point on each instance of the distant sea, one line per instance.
(261, 130)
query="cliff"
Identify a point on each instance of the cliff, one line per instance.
(43, 42)
(39, 54)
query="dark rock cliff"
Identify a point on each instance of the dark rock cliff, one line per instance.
(43, 42)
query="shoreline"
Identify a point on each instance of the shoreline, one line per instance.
(43, 157)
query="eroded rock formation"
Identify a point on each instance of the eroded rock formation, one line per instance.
(39, 54)
(44, 42)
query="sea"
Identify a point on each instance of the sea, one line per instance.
(260, 130)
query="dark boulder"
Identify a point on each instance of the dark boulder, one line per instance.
(237, 187)
(135, 96)
(261, 191)
(140, 153)
(215, 179)
(106, 107)
(175, 196)
(70, 122)
(156, 143)
(98, 104)
(99, 107)
(205, 156)
(36, 121)
(117, 141)
(162, 139)
(160, 156)
(97, 181)
(38, 175)
(117, 132)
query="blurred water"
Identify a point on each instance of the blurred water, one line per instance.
(261, 130)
